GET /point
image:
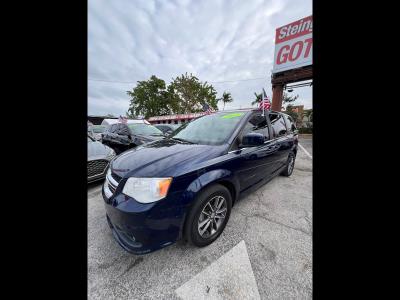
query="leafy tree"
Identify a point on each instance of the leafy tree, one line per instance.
(289, 107)
(187, 94)
(292, 113)
(258, 99)
(289, 99)
(309, 114)
(149, 98)
(226, 98)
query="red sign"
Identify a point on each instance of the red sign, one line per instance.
(293, 45)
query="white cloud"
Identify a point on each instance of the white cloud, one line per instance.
(215, 40)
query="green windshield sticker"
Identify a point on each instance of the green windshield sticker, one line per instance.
(230, 116)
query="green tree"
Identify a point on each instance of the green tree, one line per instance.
(149, 98)
(289, 107)
(226, 98)
(257, 100)
(309, 114)
(292, 113)
(187, 94)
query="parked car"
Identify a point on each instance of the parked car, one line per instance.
(99, 157)
(122, 137)
(167, 128)
(184, 186)
(97, 130)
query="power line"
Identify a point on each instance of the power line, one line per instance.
(112, 81)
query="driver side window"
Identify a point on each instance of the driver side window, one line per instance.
(257, 124)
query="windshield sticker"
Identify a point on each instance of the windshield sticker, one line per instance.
(230, 116)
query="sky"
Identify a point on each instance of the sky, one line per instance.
(215, 40)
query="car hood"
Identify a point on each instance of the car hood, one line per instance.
(97, 150)
(162, 158)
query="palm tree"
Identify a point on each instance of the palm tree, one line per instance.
(226, 98)
(258, 99)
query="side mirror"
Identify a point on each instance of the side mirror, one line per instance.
(252, 139)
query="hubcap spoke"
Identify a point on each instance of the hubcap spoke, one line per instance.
(205, 227)
(204, 213)
(220, 211)
(220, 203)
(203, 223)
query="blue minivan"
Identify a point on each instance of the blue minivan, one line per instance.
(185, 186)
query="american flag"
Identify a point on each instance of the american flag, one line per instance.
(122, 119)
(207, 109)
(264, 103)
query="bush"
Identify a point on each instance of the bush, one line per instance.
(305, 130)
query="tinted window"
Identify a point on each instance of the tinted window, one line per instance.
(214, 129)
(290, 123)
(257, 124)
(277, 124)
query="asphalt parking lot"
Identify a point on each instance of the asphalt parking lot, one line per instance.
(265, 251)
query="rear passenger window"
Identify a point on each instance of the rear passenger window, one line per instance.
(278, 124)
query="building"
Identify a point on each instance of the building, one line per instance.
(175, 119)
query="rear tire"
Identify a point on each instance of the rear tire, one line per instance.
(289, 165)
(208, 216)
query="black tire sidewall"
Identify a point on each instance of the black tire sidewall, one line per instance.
(191, 229)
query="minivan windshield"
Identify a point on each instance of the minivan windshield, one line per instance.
(212, 129)
(144, 129)
(98, 128)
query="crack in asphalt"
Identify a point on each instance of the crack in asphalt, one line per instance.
(256, 215)
(131, 265)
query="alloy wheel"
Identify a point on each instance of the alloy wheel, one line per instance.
(291, 164)
(212, 216)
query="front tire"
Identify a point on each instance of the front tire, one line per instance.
(289, 165)
(209, 215)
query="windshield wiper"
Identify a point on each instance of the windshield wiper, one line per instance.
(182, 140)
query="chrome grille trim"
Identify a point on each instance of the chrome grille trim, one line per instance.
(111, 180)
(107, 191)
(99, 167)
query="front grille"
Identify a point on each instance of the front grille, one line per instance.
(96, 167)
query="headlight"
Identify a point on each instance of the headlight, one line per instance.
(147, 190)
(110, 154)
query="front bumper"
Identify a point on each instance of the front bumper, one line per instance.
(142, 228)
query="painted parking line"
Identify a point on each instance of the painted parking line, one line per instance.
(305, 151)
(229, 277)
